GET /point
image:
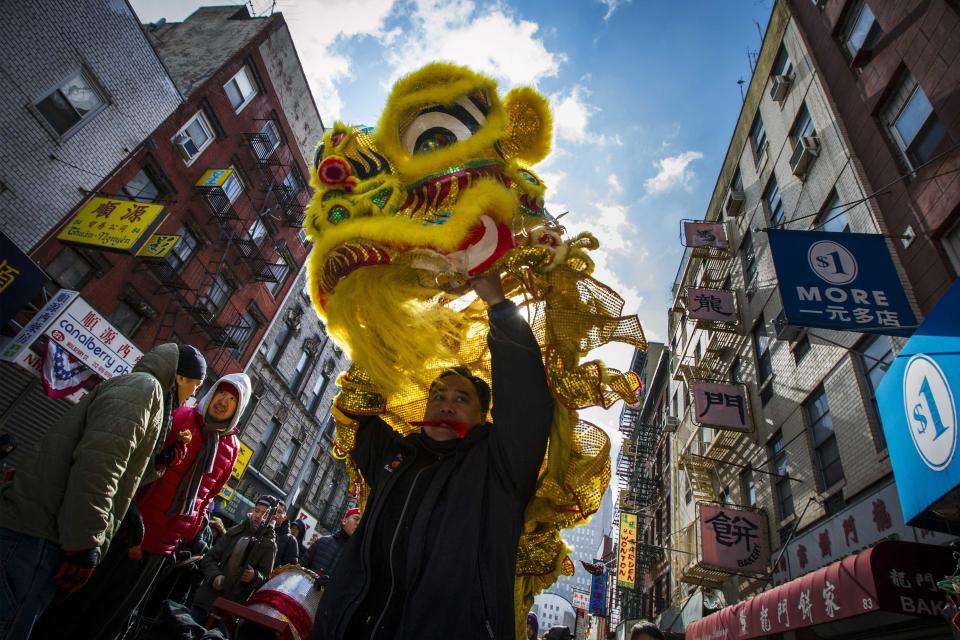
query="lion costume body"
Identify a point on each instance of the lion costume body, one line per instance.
(402, 217)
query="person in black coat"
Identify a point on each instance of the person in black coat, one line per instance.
(322, 557)
(288, 547)
(436, 548)
(299, 530)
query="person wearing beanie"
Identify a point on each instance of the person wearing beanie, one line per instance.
(298, 529)
(68, 499)
(200, 452)
(240, 562)
(288, 547)
(533, 626)
(324, 554)
(437, 547)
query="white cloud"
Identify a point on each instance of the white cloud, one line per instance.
(316, 27)
(613, 181)
(489, 39)
(674, 171)
(612, 6)
(572, 114)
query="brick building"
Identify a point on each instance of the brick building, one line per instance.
(229, 167)
(805, 154)
(288, 425)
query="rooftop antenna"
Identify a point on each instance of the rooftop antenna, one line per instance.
(740, 82)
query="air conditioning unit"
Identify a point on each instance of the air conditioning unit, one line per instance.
(733, 204)
(806, 151)
(780, 87)
(783, 330)
(670, 424)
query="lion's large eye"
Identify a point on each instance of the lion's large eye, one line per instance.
(440, 126)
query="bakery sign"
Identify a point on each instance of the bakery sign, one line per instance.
(734, 539)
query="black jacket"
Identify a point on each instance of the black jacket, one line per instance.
(459, 564)
(323, 556)
(288, 547)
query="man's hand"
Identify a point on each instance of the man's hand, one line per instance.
(248, 575)
(218, 583)
(76, 568)
(489, 288)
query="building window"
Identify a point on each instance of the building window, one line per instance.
(281, 271)
(832, 216)
(761, 344)
(771, 196)
(302, 236)
(194, 137)
(748, 258)
(736, 370)
(267, 438)
(267, 141)
(748, 487)
(781, 481)
(687, 490)
(758, 138)
(240, 90)
(292, 184)
(258, 232)
(125, 318)
(181, 252)
(220, 292)
(70, 103)
(912, 122)
(801, 348)
(279, 343)
(862, 31)
(834, 504)
(824, 439)
(297, 376)
(69, 269)
(802, 126)
(782, 66)
(316, 394)
(287, 461)
(142, 187)
(244, 333)
(876, 356)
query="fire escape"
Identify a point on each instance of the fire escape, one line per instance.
(239, 223)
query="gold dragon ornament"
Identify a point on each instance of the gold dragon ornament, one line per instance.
(402, 216)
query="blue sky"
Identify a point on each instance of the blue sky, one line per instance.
(644, 92)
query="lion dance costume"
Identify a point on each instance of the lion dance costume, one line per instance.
(402, 216)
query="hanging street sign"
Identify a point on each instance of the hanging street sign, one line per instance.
(712, 304)
(705, 234)
(627, 556)
(20, 279)
(841, 281)
(157, 246)
(734, 539)
(722, 406)
(113, 224)
(918, 402)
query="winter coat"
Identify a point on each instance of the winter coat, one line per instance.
(459, 564)
(77, 487)
(217, 562)
(287, 546)
(162, 531)
(323, 556)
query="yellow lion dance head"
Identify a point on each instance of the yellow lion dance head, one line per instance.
(402, 217)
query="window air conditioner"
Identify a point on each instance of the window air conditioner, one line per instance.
(181, 141)
(780, 87)
(804, 154)
(670, 424)
(784, 331)
(733, 203)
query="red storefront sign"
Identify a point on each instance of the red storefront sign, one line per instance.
(894, 576)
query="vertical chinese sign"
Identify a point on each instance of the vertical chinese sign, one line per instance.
(722, 406)
(627, 557)
(598, 592)
(20, 279)
(733, 539)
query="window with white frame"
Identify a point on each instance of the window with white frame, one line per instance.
(832, 216)
(802, 126)
(194, 137)
(240, 89)
(72, 102)
(181, 252)
(771, 195)
(758, 138)
(220, 292)
(143, 187)
(861, 31)
(281, 272)
(268, 140)
(782, 491)
(911, 121)
(761, 345)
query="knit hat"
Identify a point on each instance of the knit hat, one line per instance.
(226, 387)
(191, 364)
(352, 511)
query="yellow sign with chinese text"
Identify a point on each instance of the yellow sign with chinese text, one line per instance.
(113, 224)
(158, 246)
(627, 560)
(214, 177)
(241, 465)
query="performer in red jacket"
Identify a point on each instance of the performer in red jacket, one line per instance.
(200, 451)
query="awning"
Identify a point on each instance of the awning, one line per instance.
(893, 576)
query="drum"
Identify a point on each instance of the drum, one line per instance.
(289, 596)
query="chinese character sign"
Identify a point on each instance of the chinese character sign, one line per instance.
(20, 279)
(242, 460)
(712, 304)
(598, 593)
(581, 600)
(723, 406)
(705, 234)
(627, 557)
(113, 224)
(734, 539)
(157, 246)
(843, 281)
(90, 338)
(15, 348)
